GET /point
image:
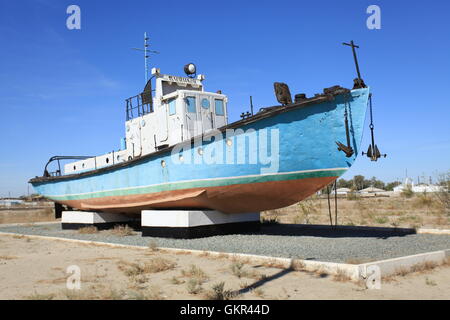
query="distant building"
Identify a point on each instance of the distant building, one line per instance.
(10, 202)
(420, 188)
(371, 190)
(343, 191)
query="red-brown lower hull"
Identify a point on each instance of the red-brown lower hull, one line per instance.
(239, 198)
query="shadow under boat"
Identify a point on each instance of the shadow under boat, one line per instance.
(326, 231)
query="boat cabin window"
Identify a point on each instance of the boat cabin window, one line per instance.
(219, 107)
(190, 105)
(172, 107)
(205, 103)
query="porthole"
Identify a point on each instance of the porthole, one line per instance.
(107, 160)
(82, 165)
(205, 103)
(74, 167)
(130, 158)
(229, 142)
(163, 163)
(118, 158)
(200, 151)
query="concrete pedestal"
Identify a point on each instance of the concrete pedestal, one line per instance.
(101, 220)
(186, 224)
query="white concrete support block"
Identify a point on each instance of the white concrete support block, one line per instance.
(192, 218)
(78, 219)
(196, 223)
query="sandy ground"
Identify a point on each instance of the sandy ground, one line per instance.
(36, 269)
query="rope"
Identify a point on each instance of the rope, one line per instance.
(329, 205)
(335, 203)
(371, 113)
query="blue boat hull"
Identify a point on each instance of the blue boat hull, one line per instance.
(268, 163)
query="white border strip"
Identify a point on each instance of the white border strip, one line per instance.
(433, 231)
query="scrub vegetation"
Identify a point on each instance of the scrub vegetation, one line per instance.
(428, 210)
(88, 230)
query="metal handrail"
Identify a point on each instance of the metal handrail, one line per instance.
(136, 103)
(58, 158)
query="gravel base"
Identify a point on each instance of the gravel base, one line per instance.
(287, 241)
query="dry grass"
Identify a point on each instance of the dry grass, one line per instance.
(419, 268)
(273, 263)
(236, 258)
(53, 281)
(92, 293)
(341, 276)
(5, 257)
(194, 286)
(100, 292)
(320, 272)
(420, 210)
(218, 292)
(424, 266)
(220, 256)
(430, 282)
(237, 269)
(151, 266)
(259, 293)
(423, 200)
(159, 265)
(183, 252)
(195, 273)
(39, 296)
(153, 245)
(297, 265)
(152, 293)
(358, 261)
(176, 281)
(88, 230)
(271, 217)
(205, 254)
(122, 231)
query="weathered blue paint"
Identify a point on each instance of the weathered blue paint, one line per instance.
(307, 139)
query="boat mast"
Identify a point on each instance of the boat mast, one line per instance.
(146, 55)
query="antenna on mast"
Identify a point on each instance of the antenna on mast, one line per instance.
(146, 54)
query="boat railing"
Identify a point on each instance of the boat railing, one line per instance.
(139, 105)
(58, 159)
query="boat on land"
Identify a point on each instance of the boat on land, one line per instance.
(179, 151)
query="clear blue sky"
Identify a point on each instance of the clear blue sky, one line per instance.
(62, 91)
